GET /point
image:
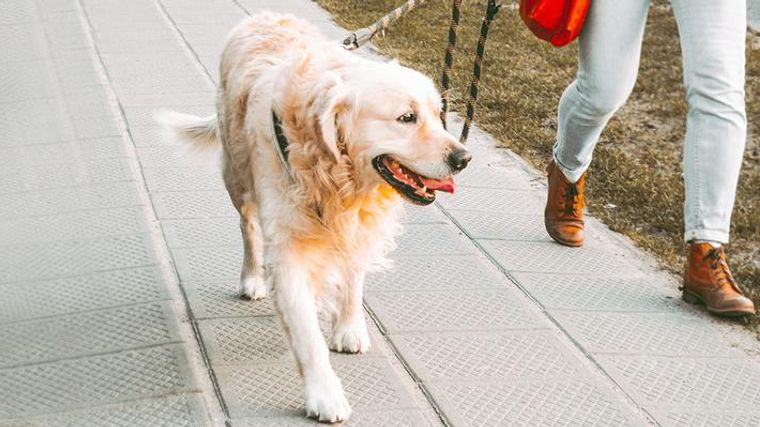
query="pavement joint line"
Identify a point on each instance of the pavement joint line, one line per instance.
(25, 365)
(407, 367)
(162, 251)
(78, 275)
(575, 343)
(85, 311)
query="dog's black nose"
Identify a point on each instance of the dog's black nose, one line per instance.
(459, 159)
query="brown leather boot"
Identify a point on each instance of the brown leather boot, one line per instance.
(563, 216)
(707, 280)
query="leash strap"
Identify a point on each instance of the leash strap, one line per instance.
(281, 144)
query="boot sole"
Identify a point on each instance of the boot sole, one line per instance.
(563, 242)
(692, 298)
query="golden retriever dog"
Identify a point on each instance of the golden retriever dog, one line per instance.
(320, 148)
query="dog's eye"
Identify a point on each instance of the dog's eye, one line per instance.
(407, 118)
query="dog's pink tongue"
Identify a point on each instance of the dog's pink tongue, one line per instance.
(447, 185)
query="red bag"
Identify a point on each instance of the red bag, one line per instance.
(556, 21)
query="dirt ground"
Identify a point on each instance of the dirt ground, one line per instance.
(635, 181)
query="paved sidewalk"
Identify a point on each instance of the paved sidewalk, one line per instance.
(119, 265)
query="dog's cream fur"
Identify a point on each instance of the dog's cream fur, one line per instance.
(316, 234)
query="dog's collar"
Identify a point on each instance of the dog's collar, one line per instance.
(281, 145)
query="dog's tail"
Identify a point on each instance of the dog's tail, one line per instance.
(199, 136)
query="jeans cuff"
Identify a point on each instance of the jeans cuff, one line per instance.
(572, 175)
(714, 235)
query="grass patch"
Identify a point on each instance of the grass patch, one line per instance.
(637, 163)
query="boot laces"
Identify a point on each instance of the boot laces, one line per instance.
(571, 200)
(719, 265)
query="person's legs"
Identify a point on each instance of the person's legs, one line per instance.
(608, 61)
(712, 41)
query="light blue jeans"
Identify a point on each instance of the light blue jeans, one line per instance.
(712, 34)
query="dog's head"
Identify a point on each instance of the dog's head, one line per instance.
(388, 118)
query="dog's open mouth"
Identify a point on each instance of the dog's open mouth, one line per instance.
(413, 186)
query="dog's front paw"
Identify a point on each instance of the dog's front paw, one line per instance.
(254, 288)
(325, 400)
(352, 338)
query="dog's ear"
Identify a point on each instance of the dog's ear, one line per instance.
(335, 120)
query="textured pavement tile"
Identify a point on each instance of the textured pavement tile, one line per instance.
(199, 204)
(222, 299)
(505, 226)
(437, 273)
(186, 233)
(575, 402)
(87, 333)
(75, 151)
(183, 179)
(507, 355)
(381, 418)
(261, 339)
(206, 264)
(563, 292)
(273, 388)
(423, 215)
(433, 239)
(550, 257)
(71, 258)
(79, 225)
(72, 199)
(30, 300)
(700, 383)
(485, 176)
(453, 310)
(182, 410)
(663, 334)
(71, 384)
(515, 202)
(695, 417)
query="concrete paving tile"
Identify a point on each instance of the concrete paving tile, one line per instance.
(507, 355)
(382, 418)
(253, 340)
(695, 417)
(160, 156)
(73, 226)
(49, 260)
(165, 100)
(46, 177)
(616, 293)
(37, 299)
(275, 388)
(453, 310)
(479, 174)
(183, 179)
(687, 382)
(72, 199)
(504, 226)
(433, 239)
(36, 121)
(570, 402)
(437, 273)
(182, 410)
(423, 215)
(198, 204)
(662, 334)
(550, 257)
(221, 299)
(83, 334)
(186, 233)
(516, 202)
(219, 263)
(22, 157)
(78, 383)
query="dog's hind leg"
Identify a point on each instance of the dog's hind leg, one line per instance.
(252, 283)
(349, 328)
(297, 310)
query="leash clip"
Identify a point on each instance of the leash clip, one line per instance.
(357, 39)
